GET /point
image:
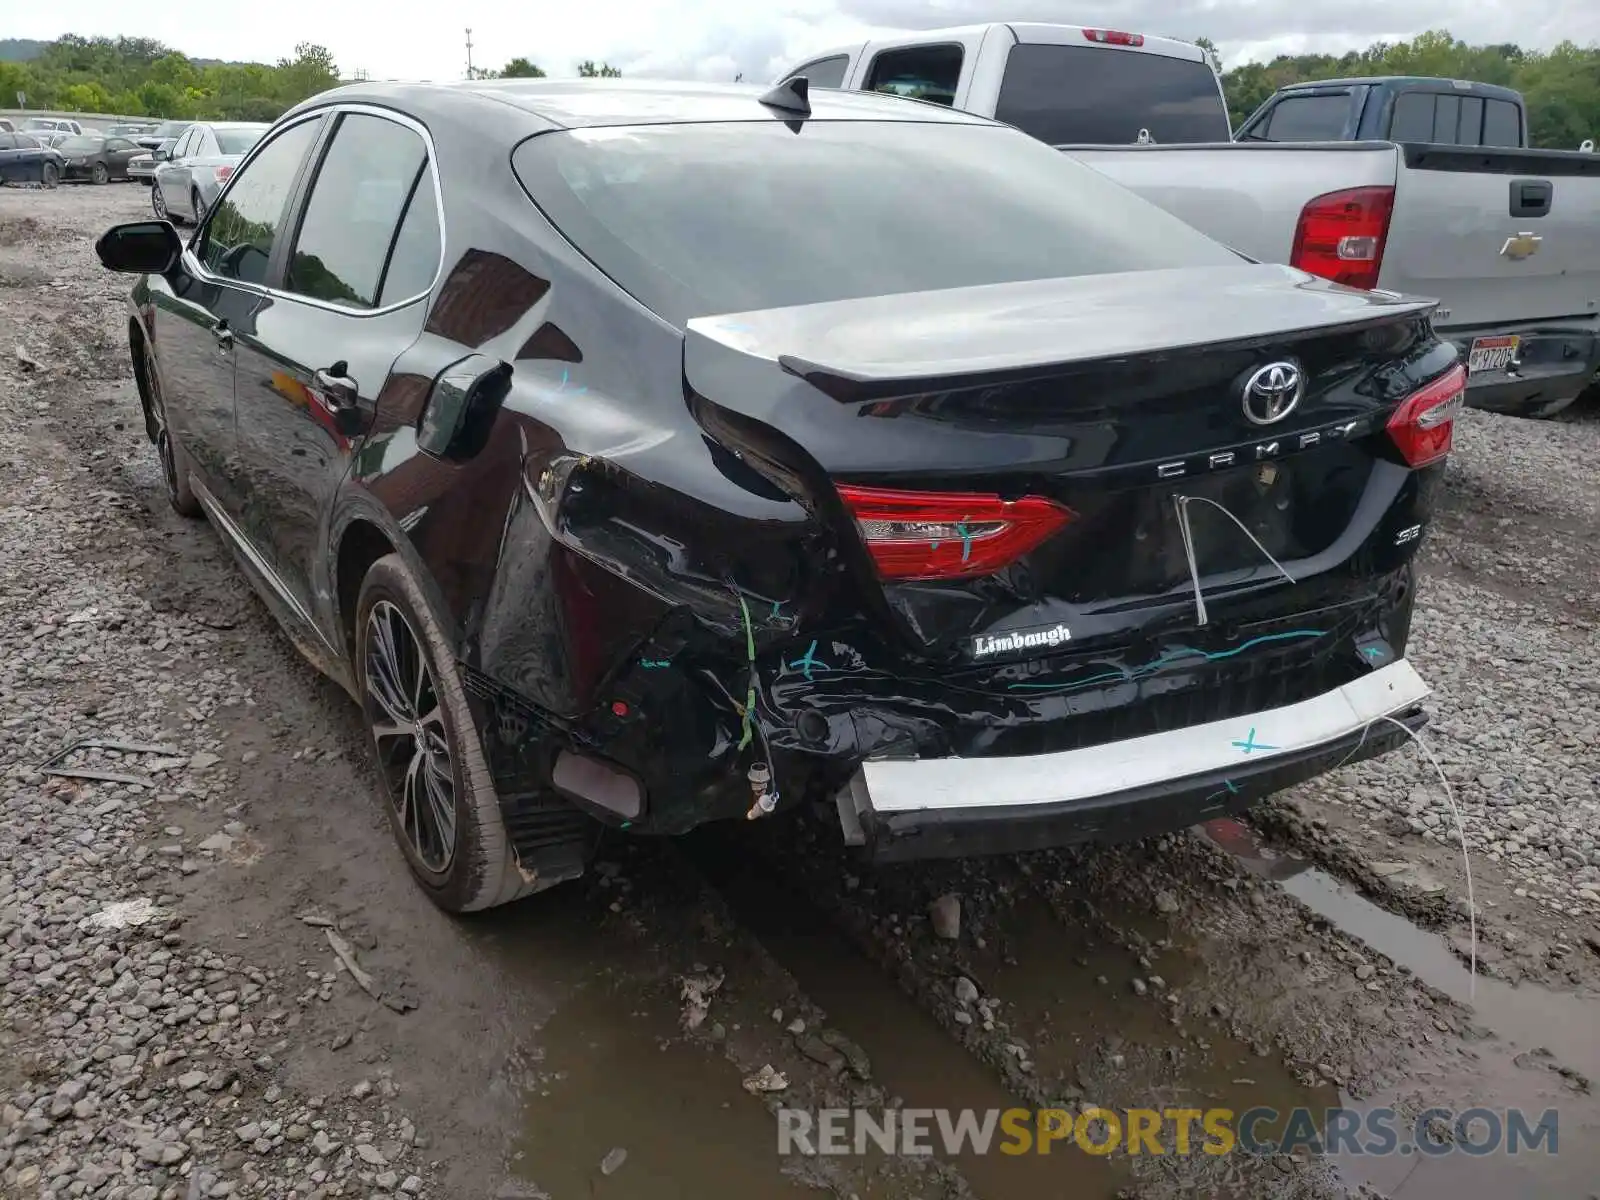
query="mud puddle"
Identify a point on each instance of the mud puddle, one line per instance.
(914, 1060)
(1531, 1051)
(1527, 1016)
(617, 1102)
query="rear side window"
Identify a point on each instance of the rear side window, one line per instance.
(1446, 116)
(245, 225)
(839, 210)
(929, 73)
(414, 261)
(1089, 95)
(368, 174)
(827, 72)
(1317, 118)
(1502, 124)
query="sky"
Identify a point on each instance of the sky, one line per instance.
(716, 39)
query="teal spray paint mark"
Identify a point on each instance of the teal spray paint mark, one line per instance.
(1249, 744)
(1167, 659)
(565, 376)
(807, 661)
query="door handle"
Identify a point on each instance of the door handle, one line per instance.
(336, 385)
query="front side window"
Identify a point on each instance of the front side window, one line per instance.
(368, 174)
(1317, 118)
(238, 241)
(840, 210)
(918, 72)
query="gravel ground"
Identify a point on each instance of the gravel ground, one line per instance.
(176, 1022)
(1506, 633)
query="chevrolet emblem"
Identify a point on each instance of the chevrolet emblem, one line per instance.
(1523, 245)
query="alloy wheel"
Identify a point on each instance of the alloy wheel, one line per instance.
(158, 201)
(408, 730)
(199, 207)
(50, 176)
(100, 174)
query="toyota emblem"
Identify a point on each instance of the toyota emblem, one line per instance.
(1272, 392)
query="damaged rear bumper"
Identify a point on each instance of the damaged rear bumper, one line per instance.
(1127, 789)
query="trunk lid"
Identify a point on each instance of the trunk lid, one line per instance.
(1107, 395)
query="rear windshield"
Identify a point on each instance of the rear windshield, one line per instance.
(170, 129)
(237, 141)
(1092, 95)
(82, 145)
(697, 219)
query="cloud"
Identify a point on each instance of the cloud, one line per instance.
(717, 39)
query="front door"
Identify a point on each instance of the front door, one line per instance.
(218, 304)
(351, 298)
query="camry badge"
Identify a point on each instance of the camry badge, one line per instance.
(1272, 392)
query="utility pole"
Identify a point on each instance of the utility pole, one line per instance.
(469, 52)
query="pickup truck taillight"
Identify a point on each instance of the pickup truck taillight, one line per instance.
(1424, 425)
(948, 535)
(1341, 234)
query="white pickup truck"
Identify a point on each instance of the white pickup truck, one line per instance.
(1419, 186)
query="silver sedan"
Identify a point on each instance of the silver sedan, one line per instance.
(187, 183)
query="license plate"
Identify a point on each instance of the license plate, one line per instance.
(1491, 354)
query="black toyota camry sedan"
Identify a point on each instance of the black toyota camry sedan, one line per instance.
(639, 455)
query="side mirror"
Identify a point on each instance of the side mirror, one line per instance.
(160, 155)
(140, 248)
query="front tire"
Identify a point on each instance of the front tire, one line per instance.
(174, 459)
(158, 202)
(100, 173)
(440, 797)
(50, 175)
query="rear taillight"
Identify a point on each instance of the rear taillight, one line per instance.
(948, 535)
(1422, 427)
(1114, 37)
(223, 173)
(1340, 235)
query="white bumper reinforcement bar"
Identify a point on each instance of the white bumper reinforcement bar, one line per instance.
(1251, 742)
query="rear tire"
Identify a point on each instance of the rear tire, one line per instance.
(50, 175)
(100, 173)
(198, 205)
(158, 202)
(440, 797)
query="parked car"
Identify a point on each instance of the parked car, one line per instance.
(24, 160)
(142, 166)
(131, 129)
(6, 126)
(205, 154)
(164, 132)
(945, 529)
(96, 159)
(1347, 179)
(49, 125)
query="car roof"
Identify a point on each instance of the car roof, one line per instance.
(1456, 85)
(594, 103)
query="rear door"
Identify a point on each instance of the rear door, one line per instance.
(350, 296)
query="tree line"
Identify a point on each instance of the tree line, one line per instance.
(1561, 86)
(143, 77)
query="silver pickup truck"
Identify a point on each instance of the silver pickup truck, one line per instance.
(1420, 186)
